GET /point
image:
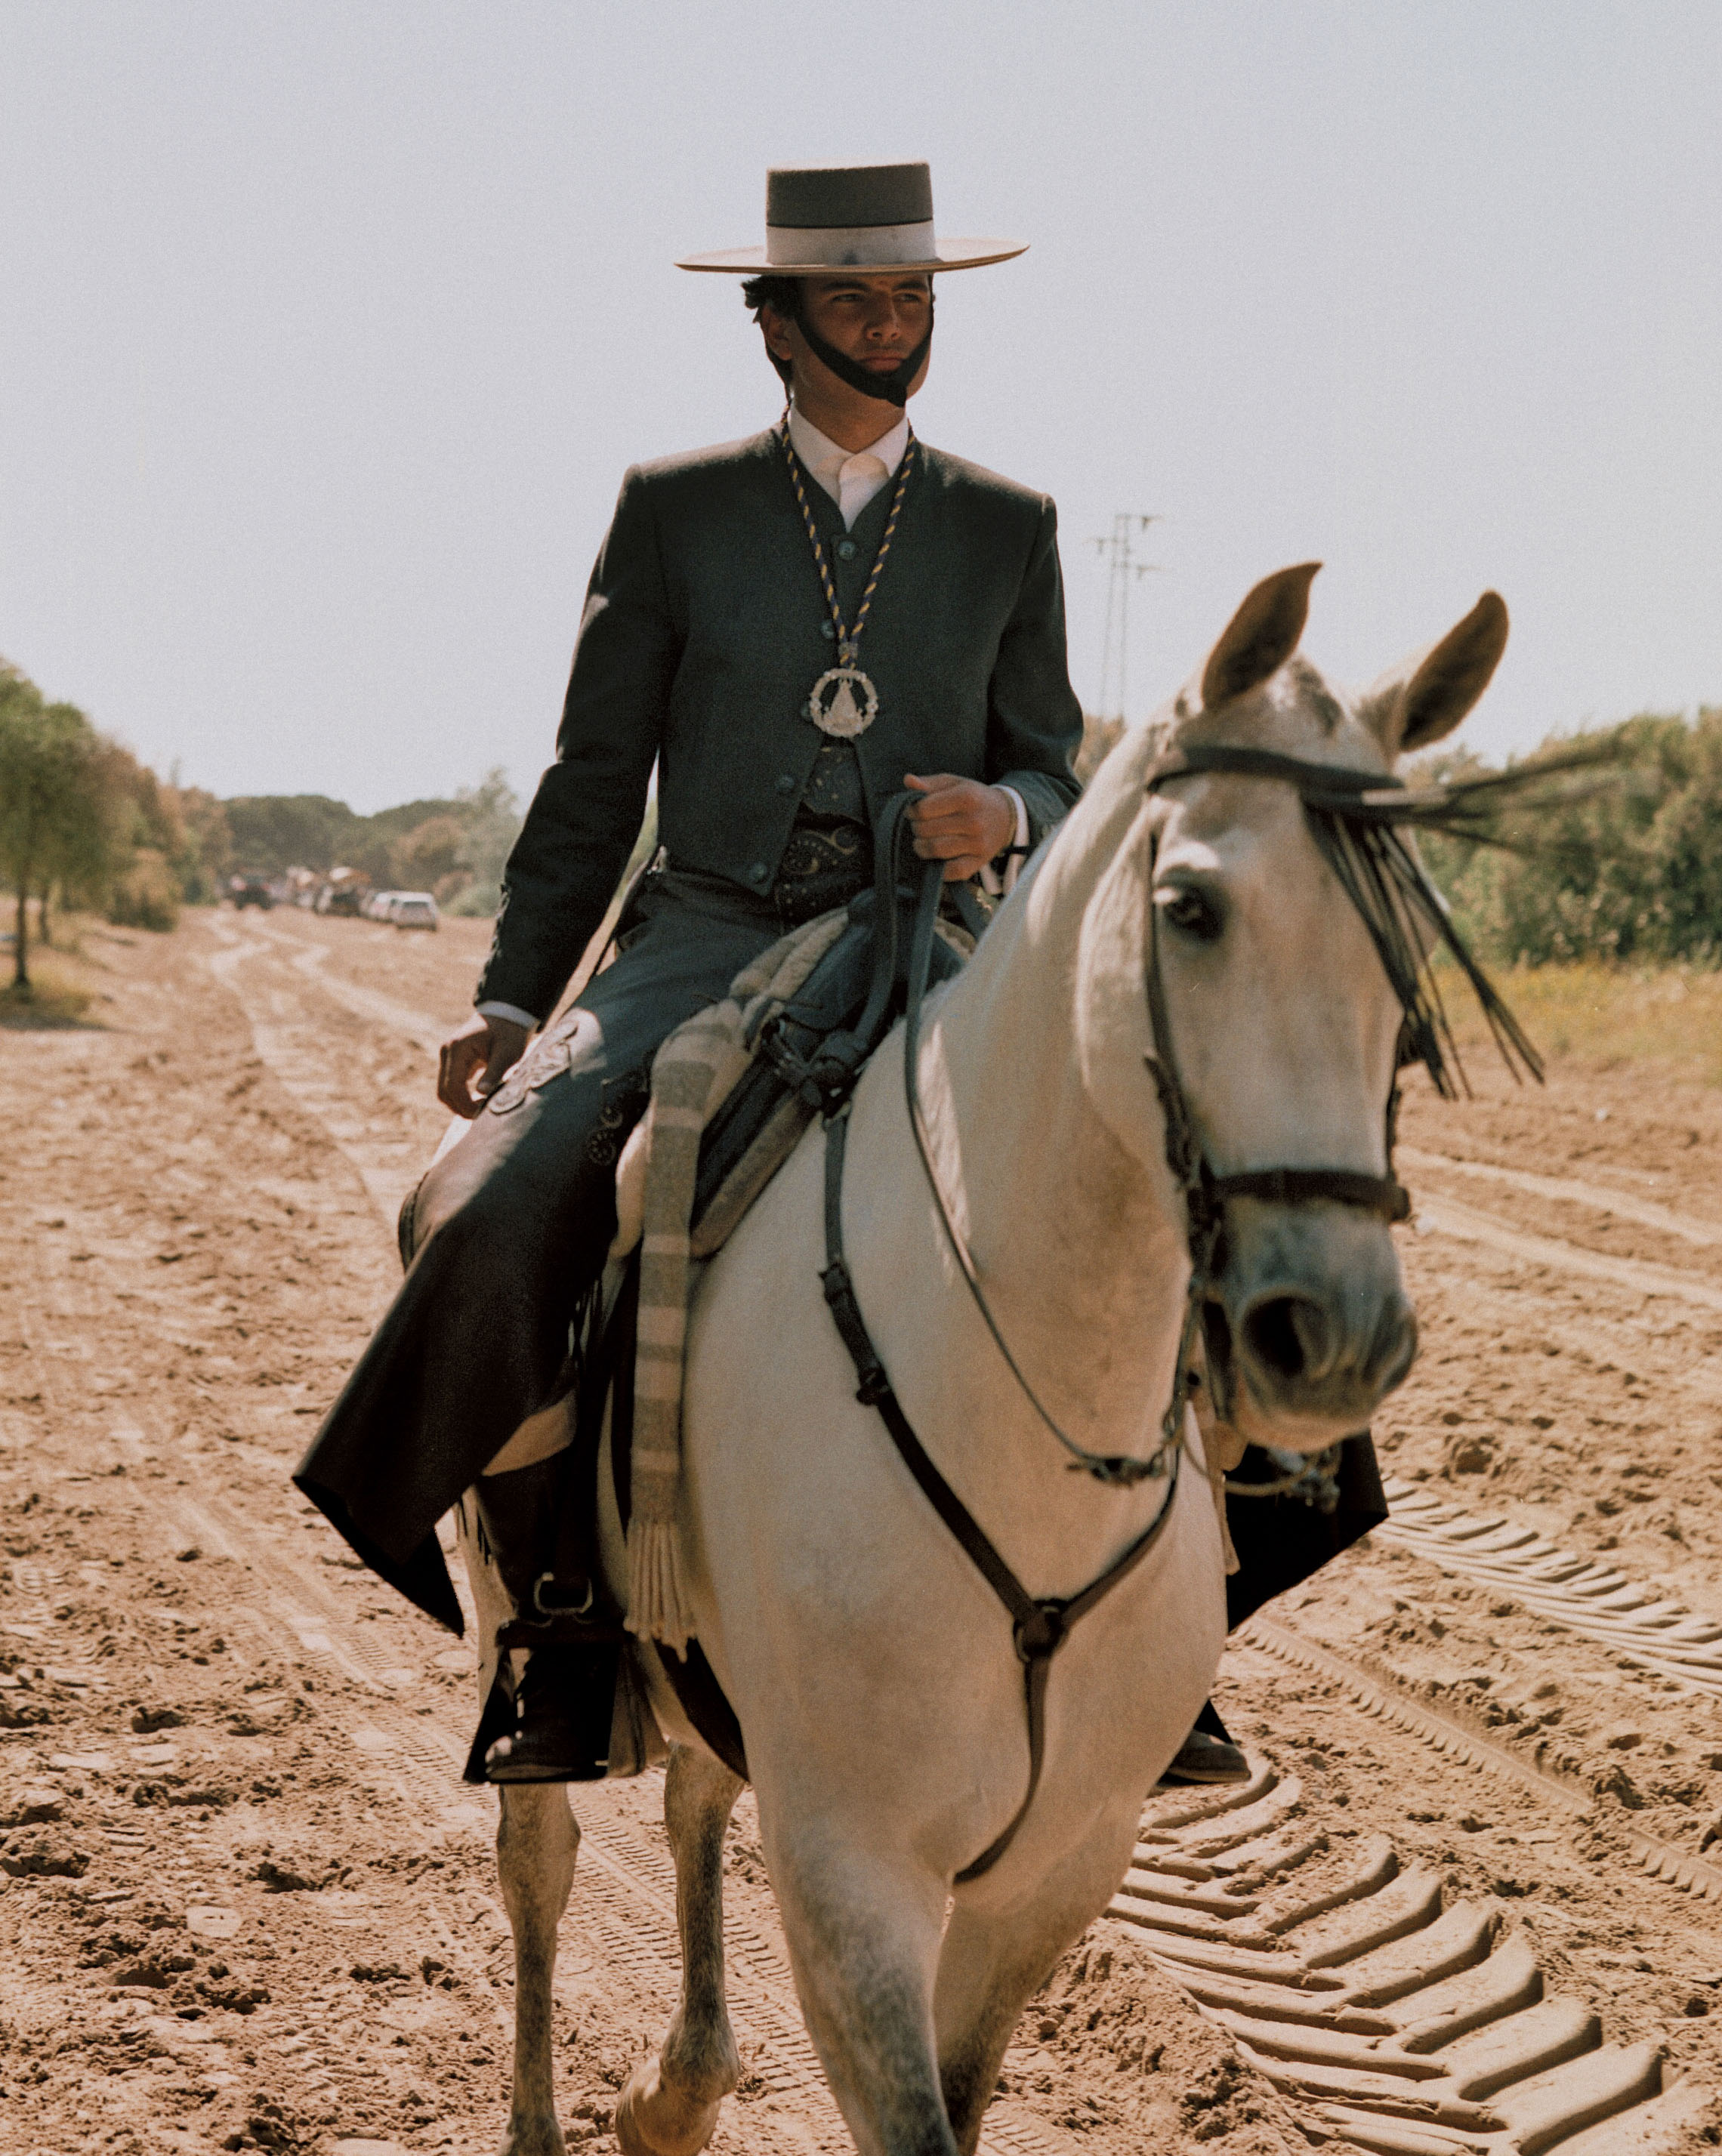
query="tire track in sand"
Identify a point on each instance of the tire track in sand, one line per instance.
(1388, 2016)
(1570, 1190)
(1579, 1594)
(1466, 1224)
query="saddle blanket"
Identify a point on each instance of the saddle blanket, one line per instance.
(693, 1073)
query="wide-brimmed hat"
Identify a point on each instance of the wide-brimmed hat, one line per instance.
(820, 219)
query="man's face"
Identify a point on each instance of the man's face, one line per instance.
(877, 321)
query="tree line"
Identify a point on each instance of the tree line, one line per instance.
(1632, 873)
(83, 824)
(86, 826)
(455, 849)
(1628, 873)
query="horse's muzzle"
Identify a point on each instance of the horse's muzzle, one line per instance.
(1307, 1325)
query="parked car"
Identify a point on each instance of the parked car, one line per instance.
(413, 909)
(249, 890)
(377, 905)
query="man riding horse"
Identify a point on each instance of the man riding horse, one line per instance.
(790, 629)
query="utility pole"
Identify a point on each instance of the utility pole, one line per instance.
(1123, 569)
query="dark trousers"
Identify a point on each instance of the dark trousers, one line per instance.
(505, 1236)
(1282, 1542)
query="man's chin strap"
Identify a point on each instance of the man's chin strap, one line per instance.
(892, 389)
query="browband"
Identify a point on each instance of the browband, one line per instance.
(1323, 785)
(1360, 820)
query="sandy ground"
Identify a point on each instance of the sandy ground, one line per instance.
(244, 1899)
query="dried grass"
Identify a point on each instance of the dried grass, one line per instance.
(1606, 1015)
(61, 985)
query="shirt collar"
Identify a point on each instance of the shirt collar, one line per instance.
(825, 458)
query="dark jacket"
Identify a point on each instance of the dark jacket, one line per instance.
(703, 634)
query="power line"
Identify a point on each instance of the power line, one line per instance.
(1123, 569)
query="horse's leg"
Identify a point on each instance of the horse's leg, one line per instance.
(990, 1967)
(536, 1841)
(910, 2029)
(670, 2104)
(863, 1924)
(987, 1972)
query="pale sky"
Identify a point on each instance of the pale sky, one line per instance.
(327, 328)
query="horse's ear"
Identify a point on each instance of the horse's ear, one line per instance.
(1263, 634)
(1420, 702)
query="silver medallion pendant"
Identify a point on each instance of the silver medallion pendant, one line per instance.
(844, 702)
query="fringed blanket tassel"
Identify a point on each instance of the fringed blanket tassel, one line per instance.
(693, 1074)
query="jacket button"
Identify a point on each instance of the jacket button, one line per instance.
(828, 631)
(758, 873)
(845, 550)
(786, 784)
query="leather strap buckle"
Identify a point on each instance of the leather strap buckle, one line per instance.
(550, 1608)
(875, 1385)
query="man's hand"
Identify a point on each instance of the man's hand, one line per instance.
(484, 1050)
(961, 823)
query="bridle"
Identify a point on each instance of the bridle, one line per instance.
(1206, 1194)
(1354, 818)
(1330, 791)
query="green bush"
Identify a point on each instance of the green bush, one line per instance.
(145, 893)
(1632, 872)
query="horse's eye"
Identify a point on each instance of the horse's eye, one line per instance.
(1193, 913)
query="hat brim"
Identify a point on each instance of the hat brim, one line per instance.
(948, 254)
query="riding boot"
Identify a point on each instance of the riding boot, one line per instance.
(1207, 1754)
(563, 1697)
(519, 1512)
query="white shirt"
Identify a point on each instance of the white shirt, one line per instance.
(851, 478)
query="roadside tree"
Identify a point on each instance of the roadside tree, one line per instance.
(493, 818)
(49, 759)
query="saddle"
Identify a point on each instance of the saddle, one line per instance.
(808, 1055)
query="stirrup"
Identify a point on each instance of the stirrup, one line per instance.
(562, 1714)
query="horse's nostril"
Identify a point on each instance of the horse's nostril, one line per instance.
(1288, 1335)
(1216, 1334)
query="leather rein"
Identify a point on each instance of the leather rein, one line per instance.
(1041, 1626)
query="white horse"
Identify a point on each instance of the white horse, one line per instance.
(871, 1665)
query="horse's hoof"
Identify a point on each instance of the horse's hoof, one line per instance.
(653, 2120)
(538, 2136)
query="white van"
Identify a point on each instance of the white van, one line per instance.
(413, 909)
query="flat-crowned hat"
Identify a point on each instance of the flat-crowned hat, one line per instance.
(820, 219)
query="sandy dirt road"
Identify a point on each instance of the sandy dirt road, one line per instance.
(246, 1903)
